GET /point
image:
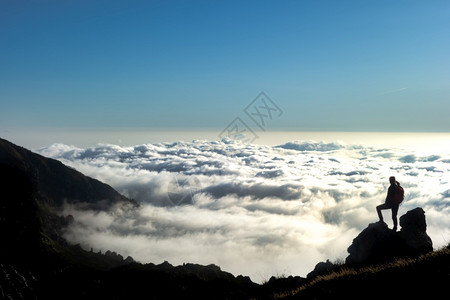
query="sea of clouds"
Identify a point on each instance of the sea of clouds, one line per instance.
(252, 209)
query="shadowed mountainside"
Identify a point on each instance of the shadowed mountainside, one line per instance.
(33, 188)
(52, 182)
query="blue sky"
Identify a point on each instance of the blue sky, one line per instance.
(329, 65)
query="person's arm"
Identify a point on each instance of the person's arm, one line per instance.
(390, 193)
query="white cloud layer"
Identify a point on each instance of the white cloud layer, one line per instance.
(252, 209)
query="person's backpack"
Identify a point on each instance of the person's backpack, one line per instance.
(399, 194)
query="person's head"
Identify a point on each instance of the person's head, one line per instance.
(392, 180)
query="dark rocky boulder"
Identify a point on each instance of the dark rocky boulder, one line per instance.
(377, 243)
(413, 232)
(321, 268)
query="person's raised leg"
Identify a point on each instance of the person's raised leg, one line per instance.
(379, 208)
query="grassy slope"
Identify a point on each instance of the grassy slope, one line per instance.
(427, 275)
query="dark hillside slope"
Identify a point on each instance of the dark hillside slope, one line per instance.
(32, 189)
(52, 181)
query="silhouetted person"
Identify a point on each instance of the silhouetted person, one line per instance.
(390, 203)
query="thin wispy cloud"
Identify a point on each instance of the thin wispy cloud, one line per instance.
(393, 91)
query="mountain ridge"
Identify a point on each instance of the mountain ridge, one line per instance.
(58, 182)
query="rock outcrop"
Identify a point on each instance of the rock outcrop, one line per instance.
(377, 243)
(413, 233)
(321, 268)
